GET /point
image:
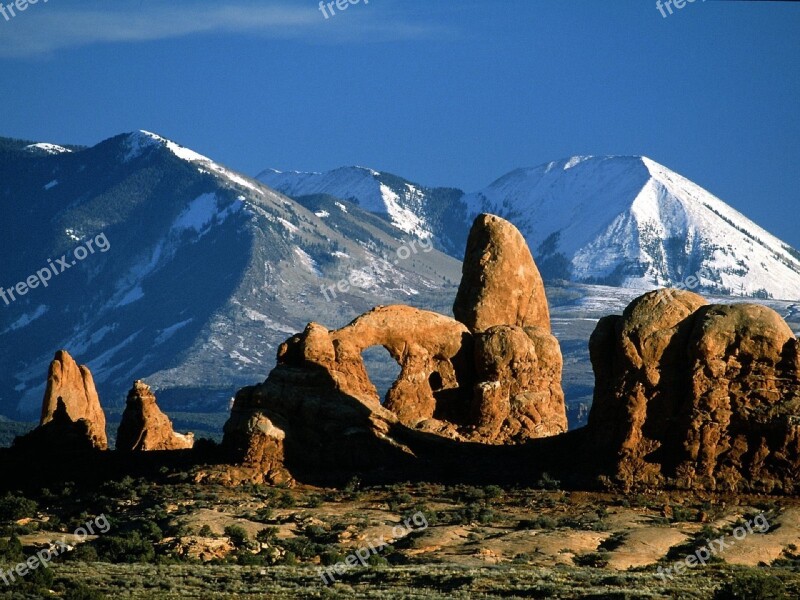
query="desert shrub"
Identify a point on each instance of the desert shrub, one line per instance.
(431, 516)
(691, 546)
(238, 535)
(398, 500)
(376, 560)
(83, 553)
(150, 530)
(13, 507)
(124, 489)
(205, 531)
(285, 500)
(263, 514)
(597, 560)
(614, 542)
(589, 521)
(493, 492)
(36, 584)
(752, 586)
(267, 535)
(11, 550)
(471, 513)
(546, 482)
(539, 522)
(470, 494)
(40, 578)
(314, 501)
(245, 558)
(331, 557)
(302, 548)
(682, 514)
(320, 535)
(129, 547)
(790, 559)
(79, 591)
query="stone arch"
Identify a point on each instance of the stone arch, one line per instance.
(421, 342)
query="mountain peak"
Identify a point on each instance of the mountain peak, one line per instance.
(140, 140)
(618, 220)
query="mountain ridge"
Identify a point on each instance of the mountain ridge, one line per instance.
(207, 272)
(610, 220)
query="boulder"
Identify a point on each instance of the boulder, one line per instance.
(500, 283)
(144, 427)
(74, 385)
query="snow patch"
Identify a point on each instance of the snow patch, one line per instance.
(167, 333)
(308, 262)
(235, 355)
(144, 139)
(574, 161)
(404, 218)
(290, 226)
(49, 148)
(198, 215)
(254, 315)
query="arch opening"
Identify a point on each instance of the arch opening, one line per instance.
(381, 368)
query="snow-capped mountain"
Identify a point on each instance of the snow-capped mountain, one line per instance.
(204, 273)
(412, 208)
(631, 222)
(619, 221)
(207, 270)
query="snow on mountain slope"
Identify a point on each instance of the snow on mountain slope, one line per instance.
(631, 222)
(206, 273)
(623, 221)
(367, 188)
(47, 148)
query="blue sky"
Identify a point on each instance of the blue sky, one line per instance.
(454, 92)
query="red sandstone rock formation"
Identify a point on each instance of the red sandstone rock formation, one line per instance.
(698, 396)
(74, 384)
(500, 283)
(518, 395)
(500, 384)
(144, 427)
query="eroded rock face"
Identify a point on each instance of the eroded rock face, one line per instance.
(518, 395)
(144, 427)
(75, 386)
(500, 283)
(695, 395)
